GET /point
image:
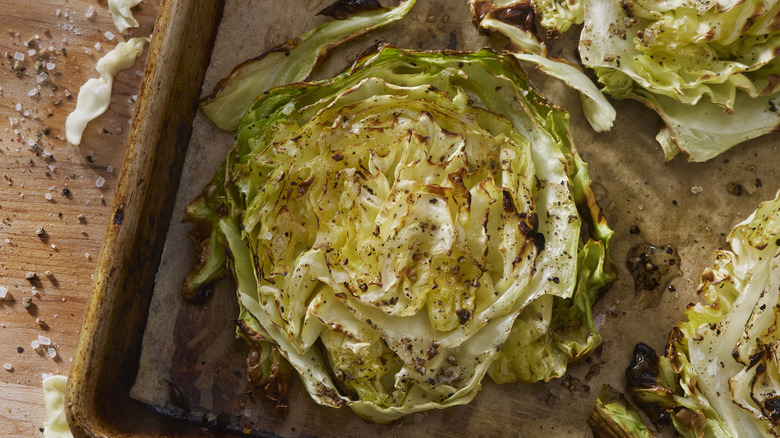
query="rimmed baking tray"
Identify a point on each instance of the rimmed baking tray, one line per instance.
(106, 361)
(646, 201)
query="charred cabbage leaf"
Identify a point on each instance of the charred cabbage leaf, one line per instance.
(516, 21)
(295, 60)
(401, 230)
(720, 374)
(709, 69)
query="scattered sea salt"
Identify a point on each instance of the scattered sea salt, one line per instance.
(30, 142)
(41, 77)
(97, 46)
(31, 52)
(90, 14)
(32, 92)
(697, 189)
(19, 56)
(47, 196)
(35, 345)
(110, 169)
(52, 352)
(8, 367)
(100, 181)
(43, 340)
(3, 292)
(139, 73)
(18, 106)
(50, 66)
(109, 35)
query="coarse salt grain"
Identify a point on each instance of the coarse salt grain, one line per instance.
(110, 169)
(18, 107)
(52, 352)
(35, 291)
(86, 255)
(3, 292)
(109, 35)
(8, 367)
(41, 77)
(32, 92)
(50, 66)
(30, 142)
(90, 12)
(35, 345)
(43, 340)
(19, 56)
(697, 189)
(47, 196)
(31, 52)
(100, 181)
(97, 46)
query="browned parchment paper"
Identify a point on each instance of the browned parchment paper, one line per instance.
(690, 206)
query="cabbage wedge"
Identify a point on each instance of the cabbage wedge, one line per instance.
(709, 69)
(402, 229)
(720, 376)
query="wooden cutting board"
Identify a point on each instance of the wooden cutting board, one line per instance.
(36, 164)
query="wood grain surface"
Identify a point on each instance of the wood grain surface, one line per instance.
(49, 184)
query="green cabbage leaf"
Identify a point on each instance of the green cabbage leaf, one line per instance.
(290, 62)
(402, 229)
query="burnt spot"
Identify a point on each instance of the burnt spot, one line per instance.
(539, 242)
(522, 16)
(463, 315)
(508, 203)
(343, 9)
(119, 216)
(771, 408)
(433, 350)
(643, 370)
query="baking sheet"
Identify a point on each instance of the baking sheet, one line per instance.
(192, 360)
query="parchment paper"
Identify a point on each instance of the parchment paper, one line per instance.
(192, 360)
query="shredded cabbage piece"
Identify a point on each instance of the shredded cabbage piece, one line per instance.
(122, 14)
(95, 95)
(56, 424)
(401, 230)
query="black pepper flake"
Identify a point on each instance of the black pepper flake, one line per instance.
(66, 192)
(19, 350)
